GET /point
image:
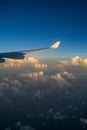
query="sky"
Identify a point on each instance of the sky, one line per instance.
(28, 24)
(48, 90)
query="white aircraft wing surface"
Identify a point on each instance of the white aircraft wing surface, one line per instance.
(21, 54)
(54, 46)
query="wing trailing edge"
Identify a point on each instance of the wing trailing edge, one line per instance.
(53, 46)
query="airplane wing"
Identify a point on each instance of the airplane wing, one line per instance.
(54, 46)
(21, 54)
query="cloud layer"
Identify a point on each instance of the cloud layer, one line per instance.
(41, 91)
(31, 60)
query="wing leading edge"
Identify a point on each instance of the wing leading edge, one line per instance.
(53, 46)
(21, 54)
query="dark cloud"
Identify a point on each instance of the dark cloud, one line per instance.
(20, 126)
(83, 120)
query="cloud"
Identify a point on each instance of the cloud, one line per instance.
(3, 85)
(53, 91)
(34, 75)
(15, 82)
(58, 116)
(41, 66)
(13, 85)
(40, 76)
(9, 81)
(64, 62)
(30, 60)
(60, 80)
(6, 79)
(69, 75)
(20, 126)
(85, 61)
(38, 94)
(10, 65)
(79, 61)
(83, 120)
(73, 61)
(76, 60)
(26, 127)
(36, 63)
(13, 63)
(1, 95)
(9, 128)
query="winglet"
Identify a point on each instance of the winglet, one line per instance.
(55, 45)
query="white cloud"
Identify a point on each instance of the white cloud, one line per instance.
(35, 63)
(13, 63)
(79, 61)
(34, 75)
(64, 62)
(41, 77)
(56, 76)
(41, 66)
(61, 81)
(30, 60)
(85, 61)
(76, 60)
(69, 75)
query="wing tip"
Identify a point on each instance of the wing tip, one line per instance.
(55, 45)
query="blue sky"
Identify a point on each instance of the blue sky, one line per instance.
(27, 24)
